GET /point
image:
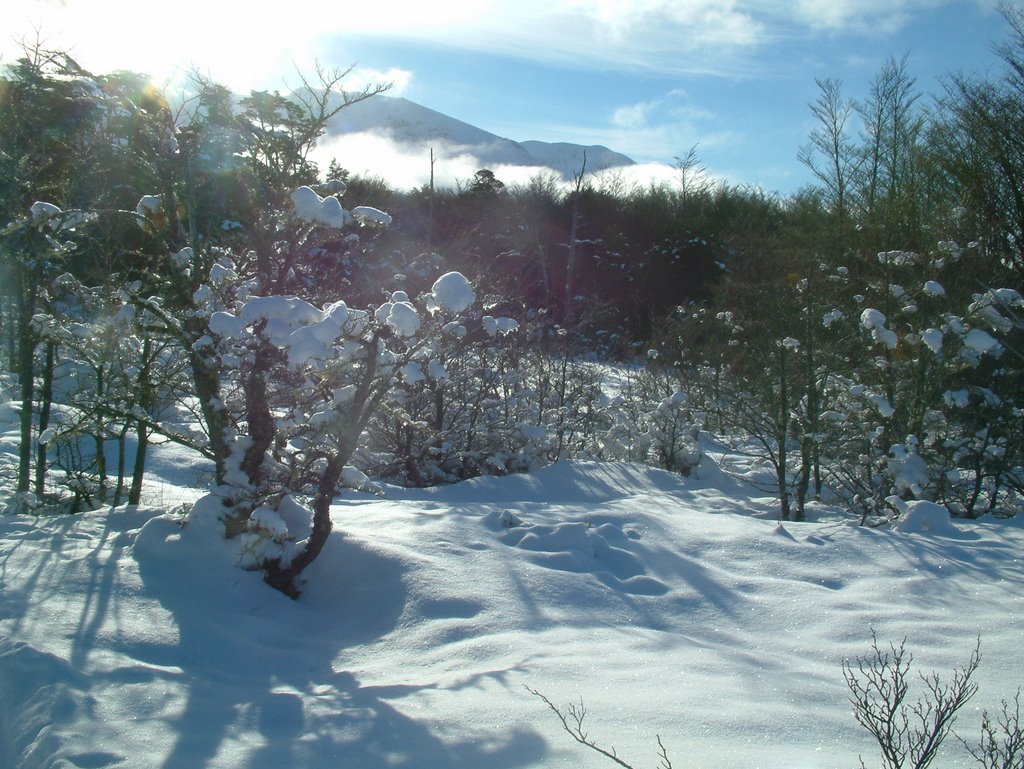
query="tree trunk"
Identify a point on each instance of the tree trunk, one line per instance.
(26, 375)
(206, 379)
(283, 578)
(570, 265)
(804, 482)
(139, 467)
(367, 399)
(262, 428)
(783, 435)
(10, 332)
(45, 405)
(122, 463)
(101, 441)
(142, 432)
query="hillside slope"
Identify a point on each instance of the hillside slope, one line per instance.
(409, 124)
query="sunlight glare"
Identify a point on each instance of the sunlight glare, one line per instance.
(236, 44)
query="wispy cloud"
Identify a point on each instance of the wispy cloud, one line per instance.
(406, 166)
(648, 24)
(861, 16)
(675, 36)
(633, 116)
(245, 46)
(655, 128)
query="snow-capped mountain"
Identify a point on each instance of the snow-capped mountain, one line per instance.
(407, 123)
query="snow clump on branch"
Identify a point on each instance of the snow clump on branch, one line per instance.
(312, 208)
(371, 215)
(452, 292)
(874, 321)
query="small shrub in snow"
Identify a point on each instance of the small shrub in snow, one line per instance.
(654, 421)
(23, 503)
(923, 517)
(909, 735)
(497, 398)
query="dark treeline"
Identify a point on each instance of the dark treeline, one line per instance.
(614, 256)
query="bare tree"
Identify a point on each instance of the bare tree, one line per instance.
(908, 735)
(831, 141)
(693, 176)
(570, 264)
(980, 146)
(893, 127)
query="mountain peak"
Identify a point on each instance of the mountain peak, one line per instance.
(407, 123)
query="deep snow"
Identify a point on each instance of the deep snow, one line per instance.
(670, 606)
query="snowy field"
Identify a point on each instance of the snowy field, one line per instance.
(671, 606)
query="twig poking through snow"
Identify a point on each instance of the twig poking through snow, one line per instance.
(572, 723)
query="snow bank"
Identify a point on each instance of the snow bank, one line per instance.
(130, 639)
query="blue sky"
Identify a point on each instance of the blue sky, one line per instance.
(649, 78)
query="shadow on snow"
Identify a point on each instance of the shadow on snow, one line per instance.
(265, 675)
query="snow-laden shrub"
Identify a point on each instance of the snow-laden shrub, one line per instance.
(902, 382)
(930, 407)
(654, 421)
(493, 399)
(294, 375)
(105, 383)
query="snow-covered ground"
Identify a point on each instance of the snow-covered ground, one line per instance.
(670, 606)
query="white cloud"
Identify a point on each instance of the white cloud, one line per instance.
(663, 142)
(653, 129)
(407, 166)
(862, 16)
(363, 77)
(695, 23)
(639, 175)
(633, 116)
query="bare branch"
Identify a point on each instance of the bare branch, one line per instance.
(572, 723)
(878, 688)
(663, 754)
(1002, 741)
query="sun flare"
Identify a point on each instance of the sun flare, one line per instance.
(227, 42)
